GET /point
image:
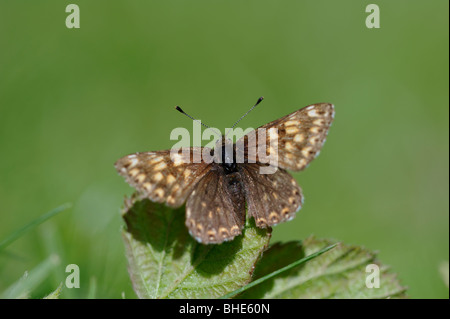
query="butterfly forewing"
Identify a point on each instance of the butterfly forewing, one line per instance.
(215, 211)
(292, 141)
(271, 198)
(162, 177)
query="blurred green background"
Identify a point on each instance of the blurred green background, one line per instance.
(72, 101)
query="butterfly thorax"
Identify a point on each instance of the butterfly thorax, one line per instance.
(225, 155)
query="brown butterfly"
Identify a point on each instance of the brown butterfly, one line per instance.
(218, 191)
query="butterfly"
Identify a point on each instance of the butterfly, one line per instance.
(218, 192)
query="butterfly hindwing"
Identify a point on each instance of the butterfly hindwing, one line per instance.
(299, 136)
(271, 198)
(215, 210)
(162, 177)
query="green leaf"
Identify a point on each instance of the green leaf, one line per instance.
(277, 272)
(337, 273)
(164, 261)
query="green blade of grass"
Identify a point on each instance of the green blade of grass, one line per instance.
(22, 287)
(277, 272)
(18, 233)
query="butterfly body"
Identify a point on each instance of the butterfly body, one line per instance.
(225, 153)
(218, 193)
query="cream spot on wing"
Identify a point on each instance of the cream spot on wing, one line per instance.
(140, 178)
(302, 163)
(292, 130)
(203, 204)
(175, 188)
(235, 230)
(187, 172)
(310, 107)
(223, 232)
(298, 138)
(313, 113)
(170, 179)
(147, 186)
(211, 234)
(313, 140)
(285, 212)
(314, 130)
(306, 151)
(319, 122)
(156, 159)
(134, 172)
(290, 156)
(292, 123)
(274, 218)
(159, 192)
(289, 146)
(159, 166)
(133, 162)
(177, 159)
(261, 222)
(158, 177)
(171, 200)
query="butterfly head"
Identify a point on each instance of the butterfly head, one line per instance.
(224, 151)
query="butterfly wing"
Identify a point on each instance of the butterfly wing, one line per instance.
(215, 210)
(299, 135)
(271, 198)
(162, 176)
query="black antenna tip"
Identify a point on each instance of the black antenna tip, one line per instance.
(179, 109)
(260, 99)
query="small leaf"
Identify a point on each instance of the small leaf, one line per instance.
(22, 287)
(55, 294)
(443, 269)
(20, 232)
(164, 261)
(338, 273)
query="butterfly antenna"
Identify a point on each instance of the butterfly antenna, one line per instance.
(179, 109)
(257, 102)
